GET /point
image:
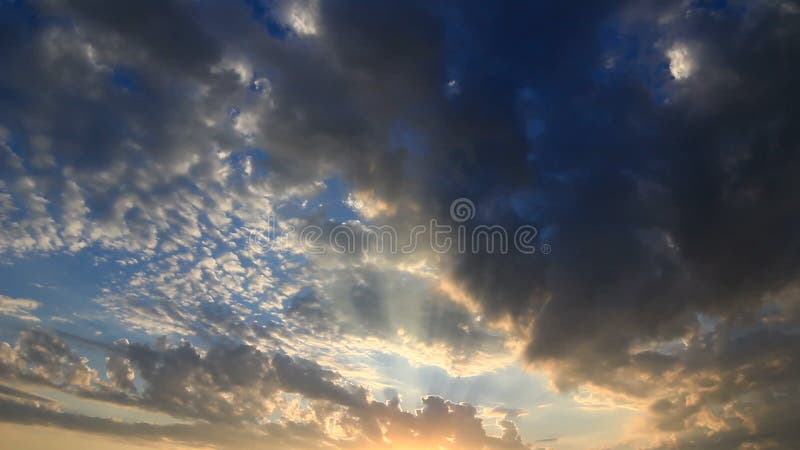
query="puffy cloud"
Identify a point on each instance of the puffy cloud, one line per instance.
(234, 387)
(680, 61)
(46, 358)
(119, 369)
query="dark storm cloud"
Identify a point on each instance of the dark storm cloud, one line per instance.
(670, 207)
(665, 197)
(115, 76)
(173, 35)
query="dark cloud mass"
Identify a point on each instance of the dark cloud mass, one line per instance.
(655, 146)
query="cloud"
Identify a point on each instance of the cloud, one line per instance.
(21, 308)
(680, 61)
(293, 436)
(232, 387)
(192, 182)
(19, 395)
(666, 203)
(646, 216)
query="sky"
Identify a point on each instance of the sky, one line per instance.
(324, 224)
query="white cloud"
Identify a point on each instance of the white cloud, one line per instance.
(681, 64)
(21, 308)
(303, 17)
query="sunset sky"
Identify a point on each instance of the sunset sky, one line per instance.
(324, 224)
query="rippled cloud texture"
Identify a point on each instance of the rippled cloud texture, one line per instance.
(650, 148)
